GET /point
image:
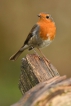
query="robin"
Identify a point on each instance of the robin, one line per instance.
(41, 35)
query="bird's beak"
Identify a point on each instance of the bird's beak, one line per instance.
(38, 15)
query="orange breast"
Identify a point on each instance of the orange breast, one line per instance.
(47, 30)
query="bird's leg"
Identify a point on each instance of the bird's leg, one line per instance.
(35, 51)
(43, 55)
(47, 62)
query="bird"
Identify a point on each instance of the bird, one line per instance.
(40, 36)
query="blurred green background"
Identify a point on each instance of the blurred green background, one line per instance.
(16, 19)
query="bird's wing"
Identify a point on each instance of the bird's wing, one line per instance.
(34, 31)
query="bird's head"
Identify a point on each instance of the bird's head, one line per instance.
(45, 16)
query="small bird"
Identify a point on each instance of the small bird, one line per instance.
(41, 35)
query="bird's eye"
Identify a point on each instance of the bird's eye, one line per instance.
(47, 17)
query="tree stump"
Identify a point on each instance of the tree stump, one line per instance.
(34, 70)
(41, 84)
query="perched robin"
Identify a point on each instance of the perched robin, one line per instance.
(41, 35)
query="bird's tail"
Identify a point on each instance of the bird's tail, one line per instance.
(18, 53)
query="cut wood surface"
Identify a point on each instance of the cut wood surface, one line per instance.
(41, 84)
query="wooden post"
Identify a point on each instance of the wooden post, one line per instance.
(34, 70)
(41, 84)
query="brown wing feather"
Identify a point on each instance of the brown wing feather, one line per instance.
(34, 30)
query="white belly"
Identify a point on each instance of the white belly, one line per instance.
(36, 41)
(45, 43)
